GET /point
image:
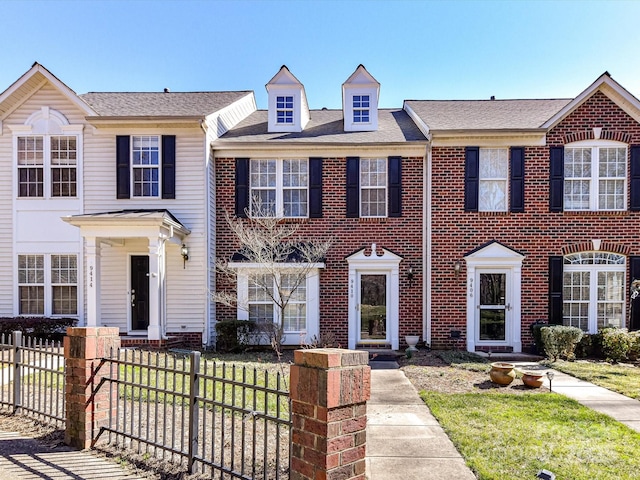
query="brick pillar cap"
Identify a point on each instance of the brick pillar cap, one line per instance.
(93, 331)
(330, 357)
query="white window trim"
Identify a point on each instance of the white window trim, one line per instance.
(354, 108)
(244, 270)
(386, 187)
(279, 187)
(47, 123)
(48, 286)
(594, 193)
(285, 109)
(494, 179)
(593, 269)
(133, 167)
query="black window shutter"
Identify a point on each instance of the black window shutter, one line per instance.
(555, 290)
(168, 166)
(634, 274)
(556, 178)
(353, 187)
(471, 178)
(394, 168)
(634, 186)
(242, 187)
(517, 179)
(123, 169)
(315, 187)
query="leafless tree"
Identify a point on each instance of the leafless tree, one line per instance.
(282, 259)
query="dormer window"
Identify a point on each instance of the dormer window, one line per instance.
(284, 109)
(361, 109)
(288, 108)
(360, 95)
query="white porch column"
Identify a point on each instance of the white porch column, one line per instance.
(154, 331)
(93, 281)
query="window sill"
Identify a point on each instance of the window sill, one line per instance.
(373, 219)
(598, 213)
(494, 214)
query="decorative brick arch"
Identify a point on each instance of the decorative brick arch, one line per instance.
(589, 134)
(605, 246)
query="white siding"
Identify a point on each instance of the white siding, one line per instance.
(34, 224)
(186, 288)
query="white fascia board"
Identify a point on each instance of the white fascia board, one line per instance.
(327, 150)
(66, 91)
(489, 138)
(604, 80)
(223, 120)
(423, 127)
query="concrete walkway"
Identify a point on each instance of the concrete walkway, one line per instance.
(623, 409)
(24, 458)
(404, 441)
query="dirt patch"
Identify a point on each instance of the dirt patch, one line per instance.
(456, 372)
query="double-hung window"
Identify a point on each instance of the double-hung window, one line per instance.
(373, 187)
(266, 292)
(361, 105)
(593, 290)
(145, 164)
(595, 177)
(51, 157)
(493, 179)
(47, 285)
(279, 187)
(284, 109)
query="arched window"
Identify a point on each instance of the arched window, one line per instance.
(593, 290)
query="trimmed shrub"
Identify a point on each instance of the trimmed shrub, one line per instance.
(40, 327)
(233, 335)
(560, 341)
(616, 344)
(634, 351)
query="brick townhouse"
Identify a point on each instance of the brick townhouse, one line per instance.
(534, 215)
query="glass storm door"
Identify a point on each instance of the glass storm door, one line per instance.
(139, 292)
(373, 308)
(493, 306)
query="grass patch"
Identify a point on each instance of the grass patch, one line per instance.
(513, 436)
(624, 379)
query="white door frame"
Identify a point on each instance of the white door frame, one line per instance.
(380, 261)
(495, 257)
(508, 306)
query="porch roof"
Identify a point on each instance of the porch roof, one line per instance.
(160, 218)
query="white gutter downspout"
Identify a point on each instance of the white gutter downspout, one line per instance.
(426, 243)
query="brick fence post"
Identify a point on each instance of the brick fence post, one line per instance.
(329, 392)
(85, 412)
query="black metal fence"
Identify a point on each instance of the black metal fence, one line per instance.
(32, 380)
(222, 420)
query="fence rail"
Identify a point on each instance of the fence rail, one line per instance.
(32, 380)
(223, 420)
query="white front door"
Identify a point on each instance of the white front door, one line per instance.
(373, 289)
(493, 322)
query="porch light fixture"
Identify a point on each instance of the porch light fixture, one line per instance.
(184, 251)
(457, 267)
(550, 377)
(410, 275)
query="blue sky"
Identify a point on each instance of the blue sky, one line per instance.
(415, 49)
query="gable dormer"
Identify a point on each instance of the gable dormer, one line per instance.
(288, 107)
(360, 95)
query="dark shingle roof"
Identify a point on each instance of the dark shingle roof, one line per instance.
(159, 104)
(485, 114)
(326, 126)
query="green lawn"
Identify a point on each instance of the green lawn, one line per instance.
(505, 437)
(624, 379)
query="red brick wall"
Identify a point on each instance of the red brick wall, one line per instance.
(537, 233)
(403, 236)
